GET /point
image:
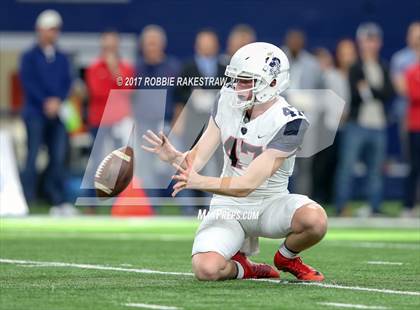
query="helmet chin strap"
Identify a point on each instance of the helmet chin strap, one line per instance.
(264, 94)
(265, 101)
(258, 102)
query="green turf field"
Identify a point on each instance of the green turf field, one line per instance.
(103, 263)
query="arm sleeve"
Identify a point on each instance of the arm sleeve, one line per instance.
(66, 80)
(355, 76)
(96, 87)
(290, 136)
(413, 86)
(31, 84)
(396, 67)
(386, 92)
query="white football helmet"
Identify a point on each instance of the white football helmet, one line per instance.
(263, 63)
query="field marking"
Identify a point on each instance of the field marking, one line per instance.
(150, 306)
(106, 236)
(89, 266)
(384, 263)
(171, 237)
(376, 245)
(337, 286)
(354, 306)
(149, 271)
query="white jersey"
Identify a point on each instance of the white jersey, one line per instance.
(280, 127)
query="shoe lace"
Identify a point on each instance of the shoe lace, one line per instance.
(297, 266)
(261, 269)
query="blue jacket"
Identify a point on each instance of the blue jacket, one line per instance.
(42, 78)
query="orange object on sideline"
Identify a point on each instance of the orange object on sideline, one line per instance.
(133, 190)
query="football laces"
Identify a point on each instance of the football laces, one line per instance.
(102, 166)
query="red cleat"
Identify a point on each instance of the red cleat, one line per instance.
(255, 270)
(296, 267)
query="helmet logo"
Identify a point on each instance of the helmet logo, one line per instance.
(275, 66)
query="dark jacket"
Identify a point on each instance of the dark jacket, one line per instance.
(383, 94)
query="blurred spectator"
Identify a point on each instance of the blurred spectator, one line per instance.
(46, 80)
(200, 101)
(400, 61)
(101, 77)
(333, 78)
(154, 62)
(326, 161)
(365, 132)
(107, 114)
(345, 57)
(154, 109)
(240, 35)
(345, 54)
(305, 73)
(205, 64)
(412, 90)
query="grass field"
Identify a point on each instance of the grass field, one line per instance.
(103, 263)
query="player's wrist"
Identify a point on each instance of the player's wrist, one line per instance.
(177, 157)
(198, 182)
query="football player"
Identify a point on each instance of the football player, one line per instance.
(261, 134)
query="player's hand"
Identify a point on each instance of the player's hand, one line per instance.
(187, 177)
(160, 145)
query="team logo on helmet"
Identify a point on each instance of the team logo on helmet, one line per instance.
(275, 65)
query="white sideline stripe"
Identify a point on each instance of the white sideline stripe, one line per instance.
(384, 263)
(337, 286)
(150, 306)
(171, 237)
(354, 306)
(376, 245)
(88, 266)
(149, 271)
(115, 236)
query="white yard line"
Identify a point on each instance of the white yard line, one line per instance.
(189, 237)
(384, 263)
(150, 306)
(352, 306)
(149, 271)
(337, 286)
(377, 245)
(89, 266)
(185, 237)
(106, 236)
(366, 289)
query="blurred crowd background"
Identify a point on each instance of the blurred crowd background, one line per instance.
(54, 88)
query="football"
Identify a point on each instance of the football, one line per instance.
(114, 173)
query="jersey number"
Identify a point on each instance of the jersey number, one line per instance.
(236, 148)
(292, 112)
